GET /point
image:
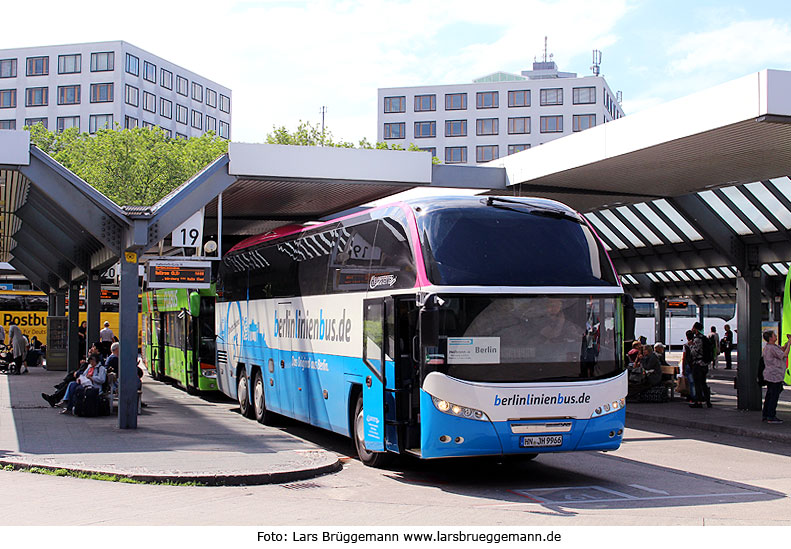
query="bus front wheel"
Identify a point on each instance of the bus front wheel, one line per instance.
(371, 459)
(243, 395)
(259, 399)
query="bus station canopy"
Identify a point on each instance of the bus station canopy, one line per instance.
(685, 195)
(673, 191)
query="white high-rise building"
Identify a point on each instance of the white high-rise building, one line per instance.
(496, 115)
(97, 85)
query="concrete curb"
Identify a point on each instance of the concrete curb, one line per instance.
(331, 465)
(705, 426)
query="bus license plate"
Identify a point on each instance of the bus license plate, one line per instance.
(535, 441)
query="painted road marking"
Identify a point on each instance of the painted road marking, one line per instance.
(652, 490)
(568, 495)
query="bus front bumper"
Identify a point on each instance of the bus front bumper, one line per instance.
(446, 435)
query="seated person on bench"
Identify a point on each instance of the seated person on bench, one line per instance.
(94, 376)
(647, 375)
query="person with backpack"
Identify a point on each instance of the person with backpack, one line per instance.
(776, 361)
(686, 365)
(701, 355)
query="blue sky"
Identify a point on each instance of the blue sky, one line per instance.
(284, 60)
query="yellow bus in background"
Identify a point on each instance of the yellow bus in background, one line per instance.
(28, 310)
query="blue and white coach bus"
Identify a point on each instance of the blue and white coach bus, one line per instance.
(438, 327)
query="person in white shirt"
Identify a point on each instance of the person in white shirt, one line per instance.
(106, 334)
(105, 339)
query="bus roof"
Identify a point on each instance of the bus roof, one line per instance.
(424, 203)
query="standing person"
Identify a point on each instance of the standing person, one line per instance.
(19, 348)
(775, 360)
(82, 334)
(686, 365)
(726, 346)
(106, 339)
(714, 338)
(700, 367)
(2, 335)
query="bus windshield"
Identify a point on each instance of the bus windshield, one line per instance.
(529, 338)
(512, 244)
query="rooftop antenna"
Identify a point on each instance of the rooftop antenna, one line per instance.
(322, 112)
(545, 49)
(596, 67)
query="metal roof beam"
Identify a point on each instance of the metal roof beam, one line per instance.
(31, 246)
(654, 229)
(35, 254)
(44, 277)
(784, 200)
(673, 261)
(34, 277)
(738, 212)
(174, 209)
(56, 243)
(41, 211)
(622, 237)
(711, 227)
(761, 207)
(103, 259)
(72, 195)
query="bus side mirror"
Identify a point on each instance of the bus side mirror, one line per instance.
(194, 304)
(629, 315)
(428, 322)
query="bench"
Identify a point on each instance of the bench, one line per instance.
(659, 393)
(112, 396)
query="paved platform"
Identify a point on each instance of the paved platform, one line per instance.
(180, 438)
(723, 417)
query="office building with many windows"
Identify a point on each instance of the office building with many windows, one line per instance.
(100, 84)
(496, 115)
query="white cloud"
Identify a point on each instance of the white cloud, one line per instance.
(737, 48)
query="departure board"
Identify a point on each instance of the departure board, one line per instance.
(179, 274)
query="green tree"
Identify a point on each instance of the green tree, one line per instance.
(308, 135)
(135, 167)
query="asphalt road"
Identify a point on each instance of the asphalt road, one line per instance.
(662, 475)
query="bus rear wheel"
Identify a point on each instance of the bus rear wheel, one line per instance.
(371, 459)
(259, 399)
(243, 395)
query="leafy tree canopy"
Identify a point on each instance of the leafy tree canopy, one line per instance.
(138, 167)
(309, 135)
(135, 167)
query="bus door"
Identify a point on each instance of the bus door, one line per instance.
(191, 346)
(157, 346)
(380, 409)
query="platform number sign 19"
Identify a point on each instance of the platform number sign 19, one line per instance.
(190, 233)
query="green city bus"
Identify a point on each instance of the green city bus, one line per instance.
(178, 337)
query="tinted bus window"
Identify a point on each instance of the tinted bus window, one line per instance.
(396, 268)
(644, 310)
(510, 245)
(376, 255)
(351, 262)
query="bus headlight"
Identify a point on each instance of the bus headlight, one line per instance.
(608, 408)
(459, 411)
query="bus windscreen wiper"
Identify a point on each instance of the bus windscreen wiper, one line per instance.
(532, 208)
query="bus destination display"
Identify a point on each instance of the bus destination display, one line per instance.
(179, 274)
